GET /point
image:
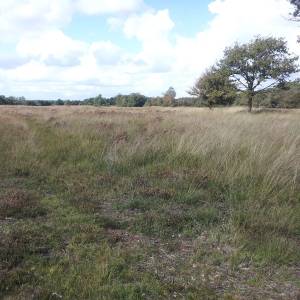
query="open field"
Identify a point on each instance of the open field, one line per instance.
(149, 203)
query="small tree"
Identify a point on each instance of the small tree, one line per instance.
(169, 97)
(259, 65)
(214, 87)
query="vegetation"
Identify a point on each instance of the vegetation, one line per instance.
(259, 65)
(22, 101)
(150, 203)
(214, 87)
(132, 100)
(99, 202)
(99, 101)
(287, 97)
(169, 97)
(296, 13)
(251, 68)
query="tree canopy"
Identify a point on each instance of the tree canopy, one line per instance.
(169, 97)
(256, 66)
(296, 13)
(132, 100)
(214, 87)
(171, 92)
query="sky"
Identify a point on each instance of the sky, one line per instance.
(76, 49)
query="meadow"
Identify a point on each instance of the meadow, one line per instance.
(149, 203)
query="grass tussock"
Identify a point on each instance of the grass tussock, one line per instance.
(16, 203)
(149, 203)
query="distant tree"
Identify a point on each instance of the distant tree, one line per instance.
(21, 100)
(2, 100)
(169, 97)
(171, 92)
(45, 103)
(132, 100)
(72, 102)
(136, 100)
(96, 101)
(259, 65)
(286, 97)
(75, 102)
(59, 102)
(190, 101)
(111, 101)
(32, 103)
(214, 87)
(155, 101)
(99, 101)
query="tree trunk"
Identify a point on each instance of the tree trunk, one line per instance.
(210, 104)
(250, 102)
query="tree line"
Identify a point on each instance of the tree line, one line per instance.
(258, 72)
(287, 97)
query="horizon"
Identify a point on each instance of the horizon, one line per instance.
(75, 49)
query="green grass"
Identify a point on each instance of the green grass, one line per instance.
(148, 204)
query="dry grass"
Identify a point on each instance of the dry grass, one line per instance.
(168, 202)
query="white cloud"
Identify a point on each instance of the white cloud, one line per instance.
(94, 7)
(150, 26)
(106, 53)
(153, 30)
(234, 20)
(52, 47)
(22, 16)
(30, 71)
(50, 64)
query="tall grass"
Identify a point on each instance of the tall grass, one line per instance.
(161, 174)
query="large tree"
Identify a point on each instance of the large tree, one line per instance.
(259, 65)
(214, 87)
(296, 13)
